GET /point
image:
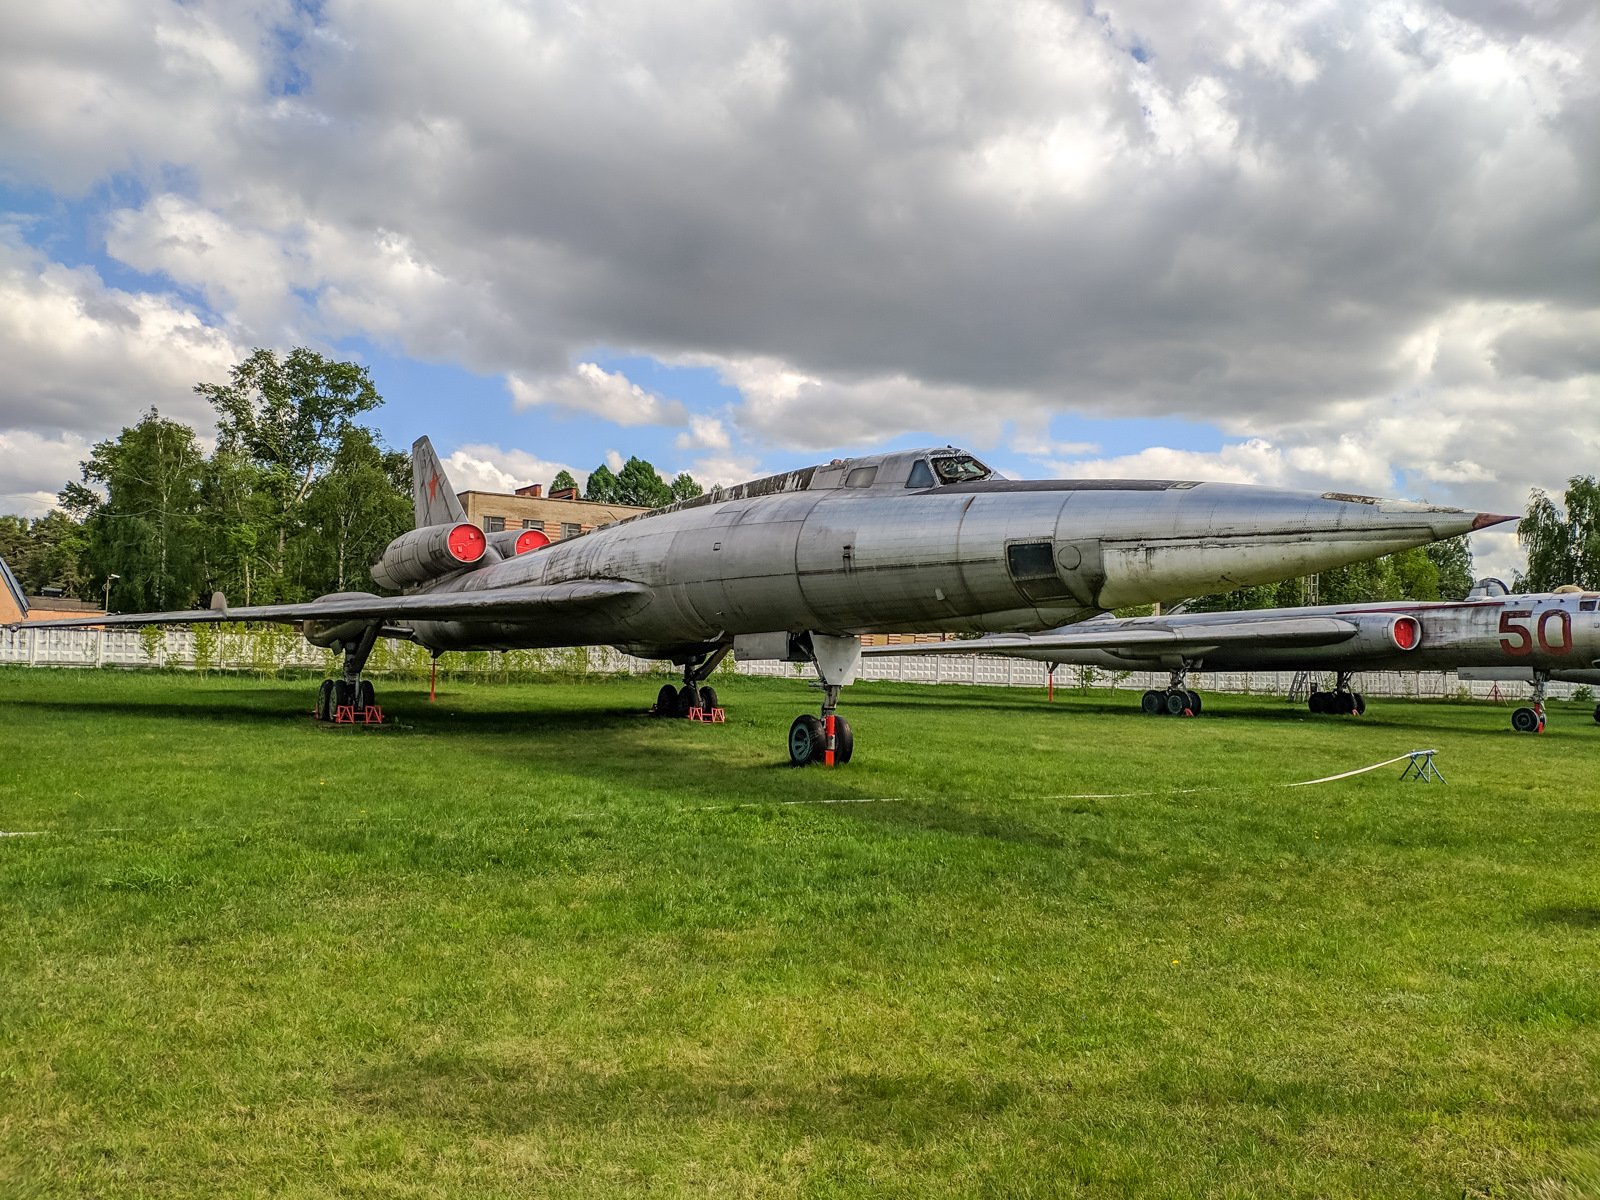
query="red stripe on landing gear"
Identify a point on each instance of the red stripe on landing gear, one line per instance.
(829, 730)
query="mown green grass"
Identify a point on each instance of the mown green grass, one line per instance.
(534, 943)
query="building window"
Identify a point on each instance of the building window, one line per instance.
(494, 524)
(539, 525)
(570, 529)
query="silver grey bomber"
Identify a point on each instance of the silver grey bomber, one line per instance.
(795, 566)
(1534, 638)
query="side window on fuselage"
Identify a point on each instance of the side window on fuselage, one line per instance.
(921, 475)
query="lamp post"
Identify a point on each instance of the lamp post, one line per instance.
(109, 579)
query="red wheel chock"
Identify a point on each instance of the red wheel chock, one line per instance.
(714, 716)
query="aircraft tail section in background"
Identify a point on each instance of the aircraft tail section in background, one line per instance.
(435, 499)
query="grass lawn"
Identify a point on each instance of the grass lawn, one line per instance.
(532, 942)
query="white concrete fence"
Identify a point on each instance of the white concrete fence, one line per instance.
(271, 649)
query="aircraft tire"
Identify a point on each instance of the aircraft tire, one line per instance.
(708, 698)
(1194, 702)
(366, 697)
(667, 701)
(1525, 720)
(844, 741)
(688, 697)
(1177, 703)
(325, 701)
(1153, 704)
(1361, 704)
(806, 740)
(1317, 702)
(1597, 714)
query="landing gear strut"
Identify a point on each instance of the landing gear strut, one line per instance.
(1531, 719)
(695, 692)
(827, 739)
(351, 698)
(1339, 702)
(1176, 701)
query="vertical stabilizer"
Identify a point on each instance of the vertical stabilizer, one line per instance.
(435, 499)
(11, 594)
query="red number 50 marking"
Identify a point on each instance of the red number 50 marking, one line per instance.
(1519, 626)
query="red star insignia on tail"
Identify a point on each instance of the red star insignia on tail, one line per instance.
(433, 487)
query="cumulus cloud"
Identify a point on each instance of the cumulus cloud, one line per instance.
(486, 468)
(33, 469)
(594, 391)
(1358, 239)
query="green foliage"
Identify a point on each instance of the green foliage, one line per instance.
(205, 647)
(562, 480)
(352, 512)
(602, 487)
(151, 639)
(48, 552)
(1562, 547)
(1452, 559)
(147, 528)
(289, 419)
(638, 484)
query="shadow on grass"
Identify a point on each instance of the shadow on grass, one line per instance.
(511, 1099)
(1575, 917)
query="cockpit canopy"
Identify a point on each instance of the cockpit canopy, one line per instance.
(937, 469)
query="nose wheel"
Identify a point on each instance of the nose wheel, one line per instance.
(1530, 719)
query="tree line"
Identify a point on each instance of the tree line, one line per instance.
(296, 500)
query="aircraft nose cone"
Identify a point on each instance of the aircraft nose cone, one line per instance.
(1484, 520)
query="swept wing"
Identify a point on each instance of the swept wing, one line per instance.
(528, 602)
(1148, 637)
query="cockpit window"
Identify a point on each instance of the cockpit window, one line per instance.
(1586, 605)
(861, 477)
(960, 468)
(921, 475)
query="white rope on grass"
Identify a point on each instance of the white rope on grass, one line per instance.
(1413, 755)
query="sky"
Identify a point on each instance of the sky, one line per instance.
(1323, 245)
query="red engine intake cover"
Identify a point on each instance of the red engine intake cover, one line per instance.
(1406, 632)
(529, 539)
(467, 543)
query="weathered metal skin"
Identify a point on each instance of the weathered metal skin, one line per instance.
(880, 556)
(1553, 632)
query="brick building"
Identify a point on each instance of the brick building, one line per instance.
(559, 515)
(14, 606)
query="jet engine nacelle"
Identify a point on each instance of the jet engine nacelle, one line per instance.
(332, 635)
(1384, 633)
(511, 542)
(428, 553)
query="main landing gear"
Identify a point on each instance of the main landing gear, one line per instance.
(695, 692)
(1341, 702)
(1176, 701)
(827, 739)
(1530, 719)
(350, 699)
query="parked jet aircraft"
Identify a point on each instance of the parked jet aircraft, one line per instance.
(1545, 636)
(796, 566)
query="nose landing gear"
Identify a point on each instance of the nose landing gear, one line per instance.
(1530, 719)
(827, 739)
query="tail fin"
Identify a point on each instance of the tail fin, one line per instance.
(12, 590)
(431, 492)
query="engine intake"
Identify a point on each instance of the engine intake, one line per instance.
(428, 553)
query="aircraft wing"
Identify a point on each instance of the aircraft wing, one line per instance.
(530, 602)
(1147, 637)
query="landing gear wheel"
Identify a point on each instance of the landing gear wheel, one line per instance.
(1526, 720)
(667, 701)
(688, 697)
(1153, 704)
(325, 702)
(344, 696)
(1361, 705)
(807, 740)
(708, 698)
(1597, 714)
(1194, 702)
(1177, 703)
(365, 697)
(844, 741)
